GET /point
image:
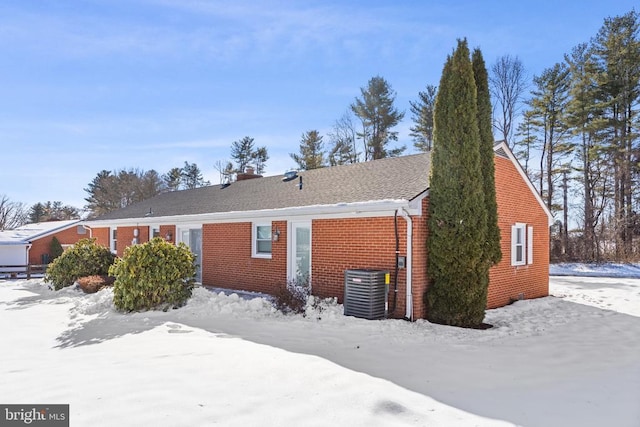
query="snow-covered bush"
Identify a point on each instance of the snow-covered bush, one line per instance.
(154, 275)
(85, 258)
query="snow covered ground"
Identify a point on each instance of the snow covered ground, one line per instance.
(224, 360)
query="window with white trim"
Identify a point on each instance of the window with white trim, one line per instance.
(114, 240)
(521, 244)
(261, 240)
(154, 231)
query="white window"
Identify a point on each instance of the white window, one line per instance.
(114, 240)
(154, 231)
(521, 244)
(261, 240)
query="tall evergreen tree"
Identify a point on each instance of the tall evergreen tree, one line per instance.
(457, 293)
(173, 179)
(109, 190)
(52, 211)
(260, 157)
(379, 116)
(192, 176)
(586, 123)
(422, 110)
(311, 154)
(244, 153)
(616, 50)
(548, 110)
(492, 250)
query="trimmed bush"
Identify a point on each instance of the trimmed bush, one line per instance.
(85, 258)
(55, 248)
(92, 284)
(153, 275)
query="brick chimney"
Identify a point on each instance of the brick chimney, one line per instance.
(249, 173)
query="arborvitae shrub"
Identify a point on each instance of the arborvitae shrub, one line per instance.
(55, 248)
(153, 275)
(85, 258)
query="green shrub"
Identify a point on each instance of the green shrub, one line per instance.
(154, 275)
(85, 258)
(55, 248)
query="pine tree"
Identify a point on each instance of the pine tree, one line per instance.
(492, 251)
(173, 179)
(192, 176)
(242, 152)
(311, 155)
(422, 110)
(457, 213)
(378, 116)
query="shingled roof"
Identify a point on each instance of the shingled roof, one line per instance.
(395, 178)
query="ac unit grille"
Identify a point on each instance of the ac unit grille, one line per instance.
(365, 293)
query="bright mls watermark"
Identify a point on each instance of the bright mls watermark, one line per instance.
(34, 415)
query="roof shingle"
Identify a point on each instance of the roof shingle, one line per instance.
(395, 178)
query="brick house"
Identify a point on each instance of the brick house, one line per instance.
(30, 243)
(258, 232)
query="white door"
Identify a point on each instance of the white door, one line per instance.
(299, 268)
(192, 237)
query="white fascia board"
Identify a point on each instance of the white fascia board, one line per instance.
(54, 231)
(526, 179)
(340, 210)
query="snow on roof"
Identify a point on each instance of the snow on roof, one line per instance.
(29, 232)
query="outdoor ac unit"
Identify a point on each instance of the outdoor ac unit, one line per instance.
(365, 293)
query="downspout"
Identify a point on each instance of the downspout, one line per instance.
(409, 301)
(28, 249)
(86, 227)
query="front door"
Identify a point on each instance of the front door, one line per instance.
(300, 252)
(193, 238)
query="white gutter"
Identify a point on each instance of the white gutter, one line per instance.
(338, 210)
(409, 301)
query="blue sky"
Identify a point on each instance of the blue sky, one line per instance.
(150, 84)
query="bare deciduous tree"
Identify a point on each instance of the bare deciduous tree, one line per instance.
(12, 214)
(508, 82)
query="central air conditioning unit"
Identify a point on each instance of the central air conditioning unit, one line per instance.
(365, 293)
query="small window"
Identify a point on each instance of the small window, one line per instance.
(114, 240)
(154, 231)
(521, 244)
(82, 230)
(262, 240)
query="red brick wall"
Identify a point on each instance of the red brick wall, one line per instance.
(125, 237)
(516, 203)
(65, 237)
(420, 279)
(167, 229)
(101, 235)
(337, 245)
(227, 260)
